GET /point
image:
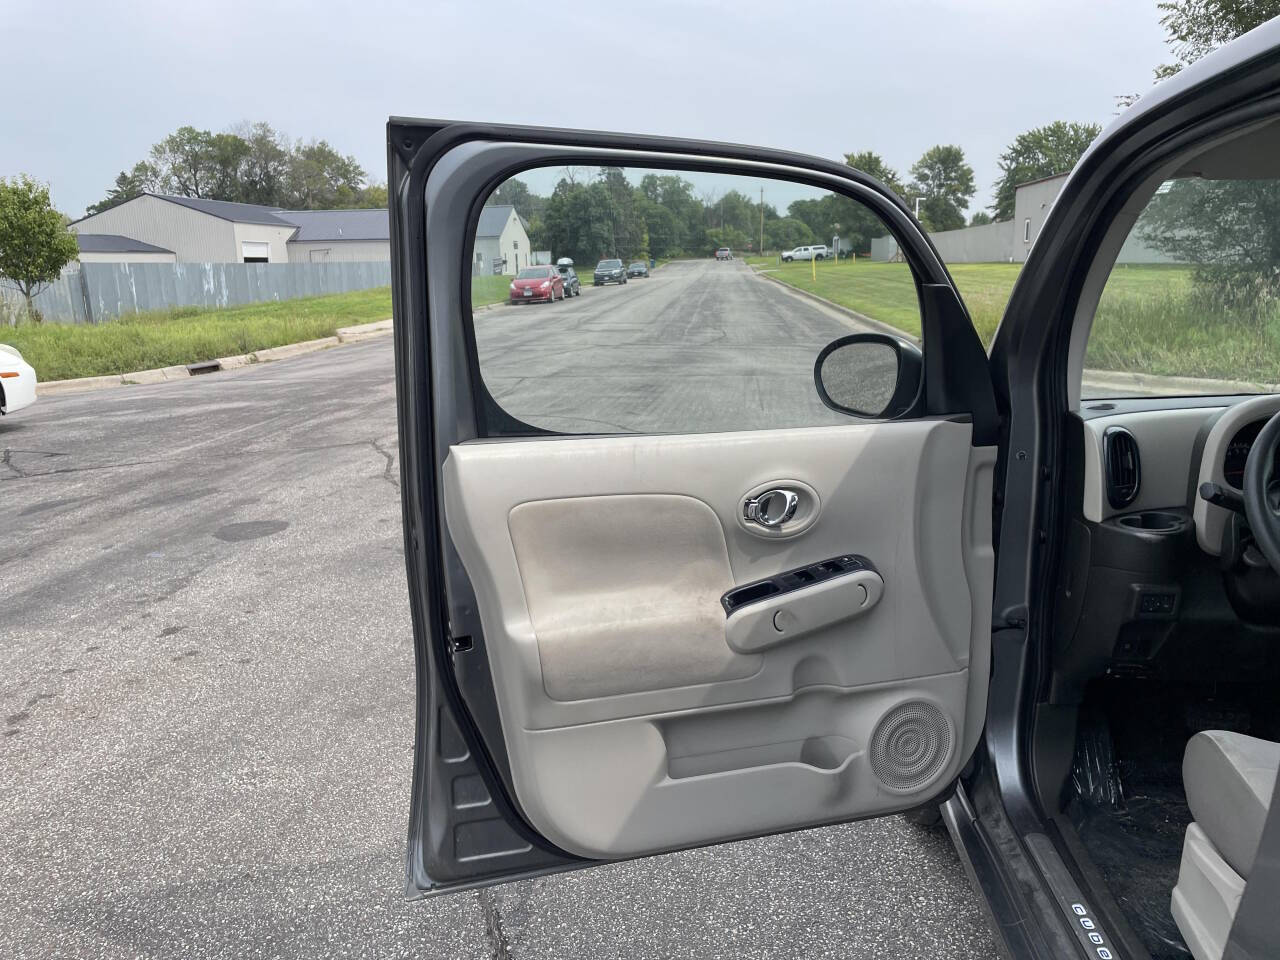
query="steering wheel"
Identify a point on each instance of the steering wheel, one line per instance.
(1262, 493)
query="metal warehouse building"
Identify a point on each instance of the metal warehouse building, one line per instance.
(192, 230)
(1009, 241)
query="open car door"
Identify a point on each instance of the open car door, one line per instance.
(636, 635)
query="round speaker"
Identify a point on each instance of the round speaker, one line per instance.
(910, 745)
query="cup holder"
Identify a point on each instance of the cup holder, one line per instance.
(1152, 521)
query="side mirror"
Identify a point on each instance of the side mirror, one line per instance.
(871, 375)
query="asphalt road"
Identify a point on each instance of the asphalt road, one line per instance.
(701, 346)
(206, 683)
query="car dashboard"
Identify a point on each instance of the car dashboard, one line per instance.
(1148, 558)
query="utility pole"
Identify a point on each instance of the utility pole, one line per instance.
(761, 251)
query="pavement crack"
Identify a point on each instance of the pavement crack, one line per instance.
(499, 949)
(387, 471)
(68, 470)
(7, 460)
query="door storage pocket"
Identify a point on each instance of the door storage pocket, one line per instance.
(821, 753)
(808, 729)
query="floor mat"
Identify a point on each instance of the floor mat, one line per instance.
(1136, 846)
(1126, 799)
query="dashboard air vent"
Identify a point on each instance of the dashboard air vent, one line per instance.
(1122, 465)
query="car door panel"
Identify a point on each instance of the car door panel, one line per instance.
(579, 697)
(633, 726)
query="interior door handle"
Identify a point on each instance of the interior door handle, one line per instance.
(772, 508)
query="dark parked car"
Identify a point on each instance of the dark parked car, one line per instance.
(638, 269)
(1036, 601)
(572, 286)
(608, 271)
(533, 284)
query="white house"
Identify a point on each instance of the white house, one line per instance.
(502, 243)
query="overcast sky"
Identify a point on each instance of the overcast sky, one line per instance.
(91, 85)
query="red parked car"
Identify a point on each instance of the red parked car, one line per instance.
(537, 283)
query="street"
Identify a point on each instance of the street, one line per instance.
(207, 673)
(700, 346)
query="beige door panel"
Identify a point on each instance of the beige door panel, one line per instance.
(639, 786)
(623, 593)
(598, 566)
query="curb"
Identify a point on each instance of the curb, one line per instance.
(294, 349)
(1168, 386)
(365, 331)
(356, 334)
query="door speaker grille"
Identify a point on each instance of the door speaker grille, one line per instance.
(910, 746)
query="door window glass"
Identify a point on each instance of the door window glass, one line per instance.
(1192, 305)
(697, 345)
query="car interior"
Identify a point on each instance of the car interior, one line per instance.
(1157, 741)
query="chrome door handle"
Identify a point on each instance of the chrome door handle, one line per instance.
(772, 508)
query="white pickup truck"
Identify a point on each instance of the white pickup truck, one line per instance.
(816, 252)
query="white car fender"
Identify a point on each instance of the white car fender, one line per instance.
(17, 381)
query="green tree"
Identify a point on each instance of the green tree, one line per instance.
(34, 242)
(675, 194)
(187, 162)
(1229, 230)
(374, 195)
(873, 165)
(661, 226)
(321, 178)
(251, 163)
(1198, 27)
(516, 193)
(228, 155)
(813, 214)
(626, 233)
(785, 233)
(731, 237)
(735, 210)
(264, 166)
(945, 181)
(129, 184)
(980, 218)
(578, 222)
(1042, 152)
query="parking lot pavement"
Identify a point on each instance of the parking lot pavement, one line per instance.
(207, 684)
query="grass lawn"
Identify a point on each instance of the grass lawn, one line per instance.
(886, 292)
(491, 289)
(60, 351)
(1150, 318)
(1153, 319)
